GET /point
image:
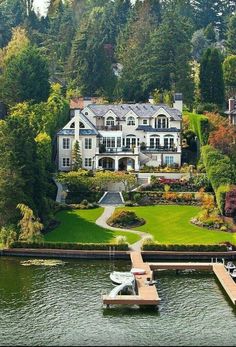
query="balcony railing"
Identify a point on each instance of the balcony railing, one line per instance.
(116, 150)
(159, 149)
(109, 127)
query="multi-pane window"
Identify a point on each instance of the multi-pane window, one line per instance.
(88, 143)
(154, 142)
(161, 123)
(169, 160)
(130, 121)
(66, 162)
(130, 142)
(66, 143)
(169, 141)
(110, 121)
(118, 142)
(88, 162)
(109, 142)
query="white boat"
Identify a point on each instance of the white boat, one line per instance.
(137, 271)
(118, 277)
(126, 286)
(230, 266)
(233, 274)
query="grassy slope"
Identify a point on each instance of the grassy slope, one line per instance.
(79, 226)
(170, 224)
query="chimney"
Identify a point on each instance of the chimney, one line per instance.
(178, 101)
(231, 104)
(151, 100)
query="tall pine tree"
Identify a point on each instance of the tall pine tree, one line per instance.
(211, 77)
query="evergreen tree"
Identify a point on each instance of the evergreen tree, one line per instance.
(199, 44)
(26, 74)
(168, 66)
(231, 34)
(90, 65)
(76, 157)
(131, 51)
(229, 70)
(210, 33)
(211, 77)
(209, 12)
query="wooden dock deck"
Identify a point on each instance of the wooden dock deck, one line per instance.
(219, 270)
(226, 281)
(147, 295)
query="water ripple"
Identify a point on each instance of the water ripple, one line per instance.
(61, 306)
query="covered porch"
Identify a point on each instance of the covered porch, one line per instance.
(117, 163)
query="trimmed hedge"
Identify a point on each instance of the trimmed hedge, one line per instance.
(221, 196)
(184, 248)
(220, 171)
(71, 246)
(200, 125)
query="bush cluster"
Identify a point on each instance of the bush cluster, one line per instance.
(220, 171)
(123, 218)
(71, 246)
(184, 248)
(201, 126)
(154, 198)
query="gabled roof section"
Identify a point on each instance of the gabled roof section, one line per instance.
(85, 119)
(90, 127)
(141, 110)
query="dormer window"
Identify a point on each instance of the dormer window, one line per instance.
(110, 121)
(161, 122)
(145, 122)
(131, 121)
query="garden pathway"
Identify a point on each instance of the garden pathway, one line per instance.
(102, 222)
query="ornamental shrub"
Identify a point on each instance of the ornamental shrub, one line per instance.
(123, 218)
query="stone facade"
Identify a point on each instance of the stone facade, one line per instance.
(123, 136)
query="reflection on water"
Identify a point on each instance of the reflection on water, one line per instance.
(61, 306)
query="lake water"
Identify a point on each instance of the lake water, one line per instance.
(61, 306)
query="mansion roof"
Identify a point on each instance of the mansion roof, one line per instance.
(141, 110)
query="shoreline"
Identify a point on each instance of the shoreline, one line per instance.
(116, 255)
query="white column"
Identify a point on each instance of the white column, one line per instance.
(136, 163)
(77, 120)
(116, 163)
(96, 162)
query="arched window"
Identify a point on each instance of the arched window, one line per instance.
(110, 121)
(130, 120)
(154, 141)
(72, 126)
(81, 125)
(161, 122)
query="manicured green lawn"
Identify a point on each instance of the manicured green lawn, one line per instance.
(170, 224)
(79, 226)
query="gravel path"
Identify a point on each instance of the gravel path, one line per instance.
(102, 222)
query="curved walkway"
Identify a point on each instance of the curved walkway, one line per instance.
(102, 222)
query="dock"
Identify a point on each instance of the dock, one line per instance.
(226, 281)
(146, 294)
(219, 270)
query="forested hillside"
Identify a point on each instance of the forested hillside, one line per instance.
(121, 51)
(124, 51)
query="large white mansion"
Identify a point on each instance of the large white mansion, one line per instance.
(123, 136)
